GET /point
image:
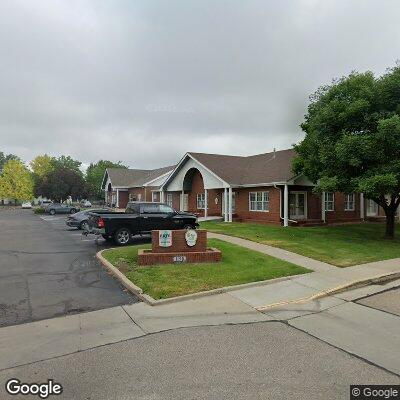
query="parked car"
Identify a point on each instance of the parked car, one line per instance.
(139, 218)
(80, 219)
(57, 208)
(26, 204)
(44, 203)
(86, 203)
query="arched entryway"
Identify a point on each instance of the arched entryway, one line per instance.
(193, 197)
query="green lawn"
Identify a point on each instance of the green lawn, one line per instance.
(238, 265)
(342, 246)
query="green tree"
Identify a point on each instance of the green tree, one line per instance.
(42, 165)
(95, 174)
(352, 140)
(61, 183)
(6, 157)
(16, 181)
(67, 163)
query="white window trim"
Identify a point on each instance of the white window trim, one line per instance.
(169, 199)
(203, 195)
(154, 197)
(330, 201)
(347, 202)
(263, 191)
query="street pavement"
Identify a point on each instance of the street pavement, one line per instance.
(47, 270)
(265, 360)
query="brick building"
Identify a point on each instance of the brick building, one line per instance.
(121, 185)
(258, 188)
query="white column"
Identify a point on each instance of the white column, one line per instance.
(226, 217)
(230, 205)
(182, 201)
(117, 202)
(161, 196)
(286, 206)
(362, 205)
(323, 217)
(205, 203)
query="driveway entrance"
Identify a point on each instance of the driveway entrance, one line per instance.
(47, 270)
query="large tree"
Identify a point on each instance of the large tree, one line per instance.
(4, 158)
(67, 163)
(95, 174)
(352, 140)
(16, 181)
(61, 183)
(42, 165)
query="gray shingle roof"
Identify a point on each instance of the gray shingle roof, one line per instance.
(262, 168)
(126, 178)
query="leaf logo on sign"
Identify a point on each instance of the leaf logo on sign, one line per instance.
(165, 238)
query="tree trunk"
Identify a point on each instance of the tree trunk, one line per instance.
(390, 223)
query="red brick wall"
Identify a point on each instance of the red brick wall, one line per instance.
(176, 199)
(123, 199)
(214, 208)
(136, 192)
(339, 214)
(243, 207)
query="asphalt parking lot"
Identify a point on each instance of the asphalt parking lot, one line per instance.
(48, 270)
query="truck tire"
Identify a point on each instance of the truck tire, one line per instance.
(122, 236)
(52, 212)
(188, 226)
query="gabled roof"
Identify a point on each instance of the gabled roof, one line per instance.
(127, 178)
(270, 167)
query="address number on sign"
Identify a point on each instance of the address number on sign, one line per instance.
(179, 259)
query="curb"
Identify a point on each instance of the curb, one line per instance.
(137, 291)
(377, 279)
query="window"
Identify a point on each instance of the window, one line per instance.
(201, 201)
(150, 209)
(329, 201)
(154, 197)
(132, 197)
(163, 209)
(169, 199)
(349, 202)
(259, 201)
(132, 208)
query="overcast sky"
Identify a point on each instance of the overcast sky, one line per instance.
(145, 81)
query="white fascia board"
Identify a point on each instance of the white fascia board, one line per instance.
(157, 177)
(259, 184)
(188, 155)
(102, 182)
(173, 171)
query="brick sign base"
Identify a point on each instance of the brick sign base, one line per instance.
(179, 251)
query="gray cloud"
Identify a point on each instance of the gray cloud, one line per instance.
(145, 81)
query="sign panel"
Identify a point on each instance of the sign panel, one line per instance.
(191, 237)
(165, 238)
(179, 259)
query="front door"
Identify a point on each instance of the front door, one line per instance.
(298, 205)
(184, 202)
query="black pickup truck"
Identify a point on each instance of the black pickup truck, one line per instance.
(139, 218)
